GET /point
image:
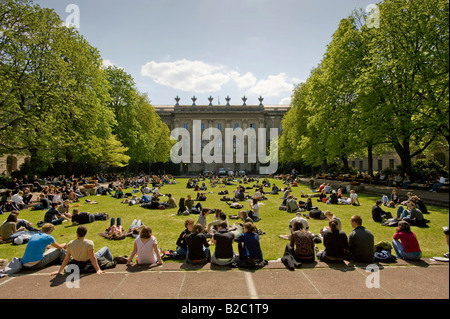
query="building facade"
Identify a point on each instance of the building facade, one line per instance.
(11, 163)
(222, 117)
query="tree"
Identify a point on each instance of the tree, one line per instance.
(53, 90)
(408, 71)
(138, 125)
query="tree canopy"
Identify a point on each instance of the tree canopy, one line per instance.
(380, 86)
(58, 102)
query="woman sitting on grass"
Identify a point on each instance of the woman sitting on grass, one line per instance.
(301, 246)
(197, 246)
(405, 243)
(250, 253)
(146, 248)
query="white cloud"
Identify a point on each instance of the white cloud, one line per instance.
(201, 77)
(286, 101)
(245, 81)
(185, 75)
(273, 86)
(108, 63)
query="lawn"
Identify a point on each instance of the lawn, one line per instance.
(167, 226)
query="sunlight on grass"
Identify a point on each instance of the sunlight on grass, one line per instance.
(167, 226)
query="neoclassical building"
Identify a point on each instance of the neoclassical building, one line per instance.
(222, 117)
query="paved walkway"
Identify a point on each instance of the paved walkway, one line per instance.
(402, 280)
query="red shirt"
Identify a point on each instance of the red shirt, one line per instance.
(409, 242)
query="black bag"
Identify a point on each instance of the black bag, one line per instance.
(384, 256)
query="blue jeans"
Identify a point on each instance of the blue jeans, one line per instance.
(113, 221)
(26, 224)
(49, 257)
(401, 212)
(398, 247)
(436, 186)
(182, 252)
(104, 252)
(204, 260)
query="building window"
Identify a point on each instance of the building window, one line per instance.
(203, 127)
(219, 126)
(253, 126)
(380, 165)
(354, 164)
(361, 166)
(391, 164)
(236, 125)
(186, 126)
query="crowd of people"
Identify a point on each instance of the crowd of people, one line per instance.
(193, 244)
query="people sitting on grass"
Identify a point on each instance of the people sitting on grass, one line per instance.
(352, 200)
(219, 217)
(181, 250)
(64, 209)
(13, 228)
(394, 197)
(301, 245)
(190, 205)
(146, 248)
(378, 214)
(255, 210)
(298, 218)
(405, 242)
(53, 216)
(360, 241)
(250, 253)
(197, 246)
(223, 240)
(202, 217)
(80, 252)
(36, 255)
(411, 214)
(17, 199)
(335, 243)
(330, 216)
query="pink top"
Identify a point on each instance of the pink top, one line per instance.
(409, 242)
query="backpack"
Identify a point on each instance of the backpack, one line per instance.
(292, 206)
(384, 256)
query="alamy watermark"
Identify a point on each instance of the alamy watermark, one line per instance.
(373, 18)
(234, 146)
(373, 280)
(73, 19)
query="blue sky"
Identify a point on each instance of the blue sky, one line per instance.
(211, 47)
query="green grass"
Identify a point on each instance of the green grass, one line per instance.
(167, 226)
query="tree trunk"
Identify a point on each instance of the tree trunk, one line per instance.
(346, 167)
(404, 153)
(370, 157)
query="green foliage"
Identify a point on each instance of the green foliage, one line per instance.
(422, 169)
(375, 88)
(138, 126)
(59, 105)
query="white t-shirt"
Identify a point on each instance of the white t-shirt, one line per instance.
(17, 199)
(442, 180)
(146, 254)
(353, 197)
(256, 210)
(300, 219)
